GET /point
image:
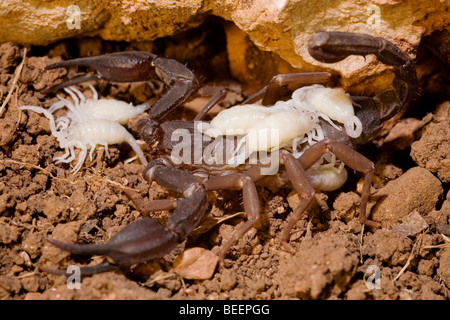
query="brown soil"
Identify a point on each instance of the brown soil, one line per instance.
(39, 199)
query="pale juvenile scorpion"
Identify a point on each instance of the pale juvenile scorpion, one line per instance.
(88, 123)
(319, 129)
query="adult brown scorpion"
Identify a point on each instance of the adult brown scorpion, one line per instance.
(146, 239)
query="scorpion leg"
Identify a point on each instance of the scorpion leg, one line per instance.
(151, 206)
(216, 94)
(139, 241)
(246, 181)
(332, 47)
(73, 81)
(296, 174)
(351, 158)
(105, 266)
(300, 181)
(250, 198)
(283, 84)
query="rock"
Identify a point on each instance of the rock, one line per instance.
(281, 27)
(10, 54)
(33, 244)
(346, 205)
(416, 190)
(124, 20)
(196, 263)
(402, 135)
(9, 285)
(442, 112)
(432, 151)
(293, 199)
(358, 291)
(412, 224)
(246, 60)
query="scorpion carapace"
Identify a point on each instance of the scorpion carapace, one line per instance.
(322, 134)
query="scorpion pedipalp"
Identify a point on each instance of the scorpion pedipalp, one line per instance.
(131, 66)
(147, 239)
(140, 241)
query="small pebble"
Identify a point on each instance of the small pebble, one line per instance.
(196, 263)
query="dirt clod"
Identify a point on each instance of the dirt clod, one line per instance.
(321, 268)
(432, 150)
(416, 190)
(444, 266)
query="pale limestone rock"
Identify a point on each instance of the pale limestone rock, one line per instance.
(279, 26)
(196, 263)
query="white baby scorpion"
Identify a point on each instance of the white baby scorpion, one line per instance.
(88, 123)
(291, 124)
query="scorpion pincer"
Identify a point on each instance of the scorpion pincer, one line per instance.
(318, 130)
